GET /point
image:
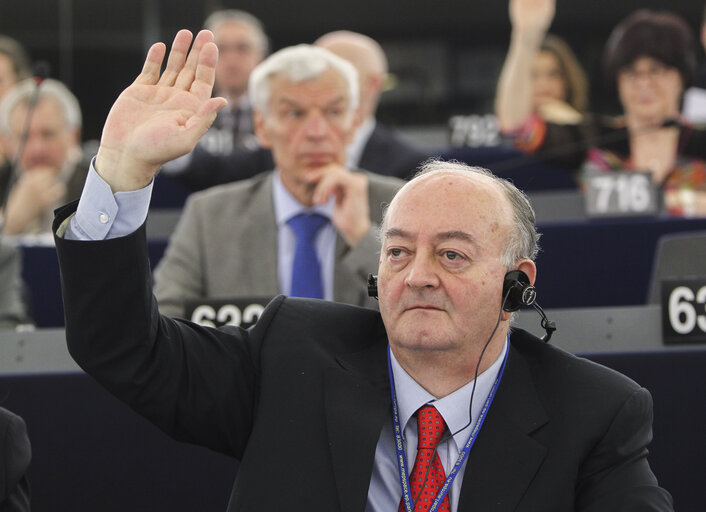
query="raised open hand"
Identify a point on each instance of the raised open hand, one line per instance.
(160, 117)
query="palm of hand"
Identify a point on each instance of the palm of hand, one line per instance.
(162, 115)
(151, 121)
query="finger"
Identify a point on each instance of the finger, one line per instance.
(177, 57)
(332, 182)
(205, 72)
(199, 123)
(186, 75)
(152, 66)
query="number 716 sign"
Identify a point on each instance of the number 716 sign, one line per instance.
(620, 194)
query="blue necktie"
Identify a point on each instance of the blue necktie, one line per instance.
(306, 268)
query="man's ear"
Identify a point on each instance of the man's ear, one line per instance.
(259, 123)
(529, 268)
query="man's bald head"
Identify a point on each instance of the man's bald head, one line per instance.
(369, 60)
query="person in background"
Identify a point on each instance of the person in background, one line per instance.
(13, 311)
(14, 67)
(375, 147)
(541, 79)
(14, 64)
(695, 96)
(16, 455)
(242, 44)
(229, 151)
(648, 61)
(238, 239)
(50, 169)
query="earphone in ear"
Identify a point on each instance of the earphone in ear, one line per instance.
(517, 291)
(372, 286)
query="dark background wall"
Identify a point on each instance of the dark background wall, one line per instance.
(446, 54)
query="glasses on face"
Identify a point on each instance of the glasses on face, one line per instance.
(653, 71)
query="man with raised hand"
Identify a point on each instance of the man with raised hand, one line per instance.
(432, 403)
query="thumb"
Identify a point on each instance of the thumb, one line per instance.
(205, 115)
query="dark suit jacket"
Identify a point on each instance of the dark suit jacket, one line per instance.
(302, 397)
(16, 454)
(388, 153)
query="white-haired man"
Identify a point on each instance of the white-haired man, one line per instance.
(237, 239)
(49, 170)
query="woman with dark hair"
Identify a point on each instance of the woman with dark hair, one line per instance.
(649, 60)
(541, 80)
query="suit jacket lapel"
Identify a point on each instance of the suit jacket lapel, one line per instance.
(357, 401)
(505, 458)
(347, 286)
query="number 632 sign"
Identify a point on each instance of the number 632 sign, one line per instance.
(684, 311)
(240, 311)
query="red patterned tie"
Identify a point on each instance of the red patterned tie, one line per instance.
(425, 481)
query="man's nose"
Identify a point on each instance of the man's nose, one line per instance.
(422, 272)
(316, 125)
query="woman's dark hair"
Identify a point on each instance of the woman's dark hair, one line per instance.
(660, 35)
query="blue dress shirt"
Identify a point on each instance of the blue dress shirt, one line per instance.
(385, 490)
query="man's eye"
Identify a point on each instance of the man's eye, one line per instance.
(395, 252)
(452, 255)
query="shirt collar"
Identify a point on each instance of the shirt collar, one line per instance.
(286, 205)
(453, 407)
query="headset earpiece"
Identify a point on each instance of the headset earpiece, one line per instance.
(372, 286)
(517, 291)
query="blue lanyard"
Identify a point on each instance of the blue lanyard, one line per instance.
(402, 455)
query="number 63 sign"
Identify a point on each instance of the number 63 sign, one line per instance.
(684, 311)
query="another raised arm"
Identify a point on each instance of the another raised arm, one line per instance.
(530, 22)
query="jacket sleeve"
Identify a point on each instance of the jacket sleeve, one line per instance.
(616, 474)
(197, 384)
(16, 453)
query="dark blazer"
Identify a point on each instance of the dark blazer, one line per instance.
(390, 154)
(16, 454)
(302, 397)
